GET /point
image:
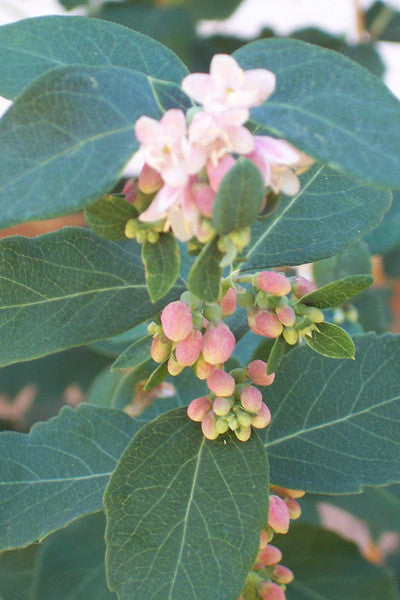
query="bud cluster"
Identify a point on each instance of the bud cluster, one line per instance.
(268, 578)
(273, 306)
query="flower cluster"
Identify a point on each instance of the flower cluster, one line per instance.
(268, 578)
(186, 156)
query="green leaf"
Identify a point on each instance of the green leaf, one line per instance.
(205, 275)
(17, 568)
(103, 387)
(59, 471)
(387, 234)
(334, 422)
(276, 355)
(67, 288)
(352, 260)
(161, 262)
(127, 386)
(329, 107)
(117, 344)
(239, 197)
(157, 376)
(328, 214)
(373, 308)
(383, 22)
(207, 496)
(326, 567)
(31, 47)
(338, 292)
(109, 215)
(68, 137)
(135, 355)
(209, 9)
(331, 341)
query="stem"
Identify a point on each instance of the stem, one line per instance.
(381, 22)
(360, 21)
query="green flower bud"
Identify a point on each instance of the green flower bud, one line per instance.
(315, 314)
(141, 237)
(304, 324)
(221, 425)
(153, 236)
(131, 228)
(212, 312)
(290, 335)
(244, 419)
(239, 375)
(154, 328)
(198, 320)
(245, 298)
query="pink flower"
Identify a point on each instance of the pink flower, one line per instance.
(218, 344)
(203, 197)
(228, 86)
(221, 383)
(263, 418)
(150, 180)
(278, 517)
(217, 172)
(282, 574)
(302, 286)
(269, 556)
(271, 591)
(251, 399)
(257, 372)
(286, 315)
(176, 321)
(264, 322)
(187, 351)
(198, 408)
(228, 302)
(202, 368)
(208, 426)
(273, 283)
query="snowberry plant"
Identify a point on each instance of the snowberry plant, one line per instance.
(283, 154)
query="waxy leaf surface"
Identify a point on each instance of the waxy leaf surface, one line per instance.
(332, 341)
(330, 416)
(184, 513)
(161, 262)
(108, 217)
(330, 108)
(205, 274)
(67, 288)
(31, 47)
(338, 292)
(135, 355)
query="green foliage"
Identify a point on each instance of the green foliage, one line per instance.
(205, 275)
(17, 570)
(383, 22)
(330, 108)
(352, 260)
(135, 355)
(67, 288)
(329, 213)
(109, 215)
(161, 263)
(331, 341)
(59, 471)
(276, 355)
(387, 234)
(211, 496)
(329, 415)
(239, 197)
(338, 292)
(157, 376)
(31, 47)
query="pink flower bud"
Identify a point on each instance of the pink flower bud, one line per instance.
(176, 321)
(208, 426)
(271, 591)
(263, 418)
(150, 180)
(221, 383)
(202, 368)
(251, 399)
(218, 343)
(263, 539)
(302, 286)
(278, 517)
(174, 368)
(264, 322)
(257, 372)
(228, 302)
(269, 556)
(286, 315)
(187, 351)
(217, 172)
(203, 196)
(160, 348)
(287, 492)
(221, 406)
(130, 190)
(282, 575)
(198, 408)
(294, 508)
(243, 433)
(273, 283)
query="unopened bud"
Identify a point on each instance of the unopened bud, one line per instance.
(257, 372)
(218, 344)
(212, 312)
(244, 419)
(286, 315)
(222, 425)
(190, 299)
(264, 322)
(241, 238)
(174, 367)
(208, 426)
(278, 517)
(176, 320)
(160, 348)
(228, 302)
(239, 375)
(263, 418)
(202, 368)
(273, 283)
(131, 228)
(154, 328)
(198, 408)
(315, 314)
(269, 556)
(150, 181)
(221, 383)
(302, 286)
(221, 406)
(243, 433)
(290, 335)
(198, 320)
(294, 508)
(282, 575)
(187, 351)
(130, 190)
(251, 399)
(153, 236)
(287, 492)
(204, 197)
(245, 298)
(263, 539)
(271, 591)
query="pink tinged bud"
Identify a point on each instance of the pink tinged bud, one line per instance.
(221, 406)
(243, 433)
(203, 196)
(198, 408)
(202, 368)
(176, 321)
(266, 323)
(187, 351)
(293, 508)
(273, 283)
(263, 539)
(278, 517)
(263, 418)
(208, 426)
(287, 492)
(174, 368)
(217, 172)
(282, 575)
(150, 180)
(302, 286)
(160, 348)
(286, 315)
(228, 302)
(251, 399)
(269, 556)
(271, 591)
(257, 372)
(130, 190)
(218, 344)
(221, 383)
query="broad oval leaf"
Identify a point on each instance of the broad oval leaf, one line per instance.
(161, 263)
(331, 341)
(387, 234)
(329, 107)
(67, 288)
(59, 471)
(353, 260)
(239, 197)
(109, 215)
(31, 47)
(17, 570)
(68, 136)
(157, 376)
(184, 514)
(334, 422)
(205, 275)
(338, 292)
(135, 355)
(328, 214)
